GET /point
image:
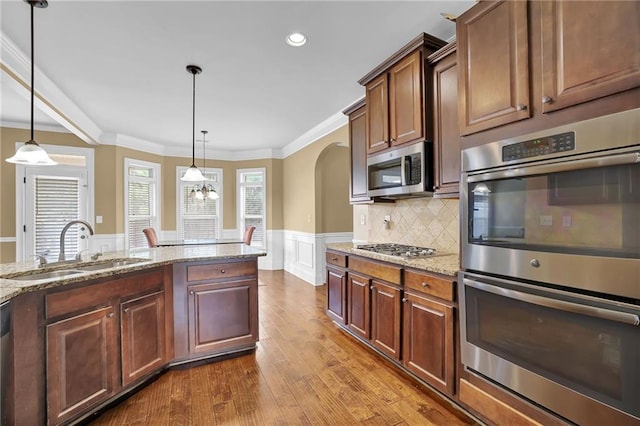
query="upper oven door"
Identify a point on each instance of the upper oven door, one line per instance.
(572, 222)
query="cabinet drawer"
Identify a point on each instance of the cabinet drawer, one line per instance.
(214, 271)
(374, 269)
(429, 284)
(337, 259)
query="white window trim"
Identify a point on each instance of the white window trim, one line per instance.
(179, 172)
(157, 169)
(262, 170)
(21, 173)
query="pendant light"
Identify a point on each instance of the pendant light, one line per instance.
(208, 191)
(31, 153)
(193, 174)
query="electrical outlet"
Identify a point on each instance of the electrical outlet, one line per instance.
(566, 221)
(363, 219)
(546, 220)
(387, 218)
(98, 219)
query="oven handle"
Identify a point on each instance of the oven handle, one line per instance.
(562, 305)
(587, 163)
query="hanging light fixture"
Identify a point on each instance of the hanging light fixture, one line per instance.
(193, 174)
(31, 153)
(208, 191)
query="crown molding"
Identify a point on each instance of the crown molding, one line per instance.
(332, 123)
(48, 97)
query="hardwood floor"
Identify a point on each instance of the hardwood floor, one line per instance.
(305, 371)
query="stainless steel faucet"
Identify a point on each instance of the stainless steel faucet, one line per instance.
(61, 256)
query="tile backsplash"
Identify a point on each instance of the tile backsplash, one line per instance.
(426, 222)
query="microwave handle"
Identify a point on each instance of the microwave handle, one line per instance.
(405, 169)
(588, 163)
(608, 314)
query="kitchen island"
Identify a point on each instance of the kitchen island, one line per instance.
(85, 333)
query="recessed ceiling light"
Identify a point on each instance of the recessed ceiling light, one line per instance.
(296, 39)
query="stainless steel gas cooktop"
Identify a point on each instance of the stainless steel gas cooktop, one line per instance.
(400, 250)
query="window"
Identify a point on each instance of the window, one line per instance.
(252, 203)
(142, 195)
(199, 217)
(47, 198)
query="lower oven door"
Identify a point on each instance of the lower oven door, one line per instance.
(576, 355)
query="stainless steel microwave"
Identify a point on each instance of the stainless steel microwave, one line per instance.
(401, 173)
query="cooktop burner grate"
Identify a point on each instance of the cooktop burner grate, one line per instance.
(400, 250)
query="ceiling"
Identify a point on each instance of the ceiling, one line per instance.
(114, 71)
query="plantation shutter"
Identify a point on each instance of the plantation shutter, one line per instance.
(56, 202)
(140, 212)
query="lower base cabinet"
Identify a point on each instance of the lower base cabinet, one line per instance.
(386, 307)
(81, 363)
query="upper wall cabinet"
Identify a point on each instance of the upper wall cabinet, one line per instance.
(589, 50)
(396, 96)
(358, 152)
(530, 65)
(493, 65)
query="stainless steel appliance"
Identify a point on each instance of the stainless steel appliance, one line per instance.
(550, 251)
(402, 172)
(400, 250)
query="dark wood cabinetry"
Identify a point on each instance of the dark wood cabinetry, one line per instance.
(446, 129)
(589, 50)
(336, 287)
(359, 313)
(396, 96)
(81, 363)
(358, 152)
(385, 318)
(216, 308)
(142, 331)
(526, 66)
(493, 66)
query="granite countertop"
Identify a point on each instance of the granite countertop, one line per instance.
(149, 258)
(445, 264)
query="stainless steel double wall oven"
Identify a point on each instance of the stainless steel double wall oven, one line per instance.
(550, 252)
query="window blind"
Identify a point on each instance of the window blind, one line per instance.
(200, 218)
(141, 203)
(252, 204)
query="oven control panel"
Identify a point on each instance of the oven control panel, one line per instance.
(540, 146)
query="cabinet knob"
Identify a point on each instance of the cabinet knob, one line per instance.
(190, 291)
(435, 188)
(222, 271)
(392, 140)
(371, 287)
(426, 285)
(547, 99)
(334, 259)
(126, 310)
(521, 107)
(404, 300)
(110, 315)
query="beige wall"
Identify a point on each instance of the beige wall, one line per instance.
(299, 182)
(333, 213)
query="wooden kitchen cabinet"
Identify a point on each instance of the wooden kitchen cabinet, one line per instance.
(336, 287)
(396, 96)
(82, 361)
(215, 308)
(446, 129)
(589, 50)
(493, 65)
(428, 329)
(359, 305)
(386, 307)
(142, 331)
(524, 66)
(358, 152)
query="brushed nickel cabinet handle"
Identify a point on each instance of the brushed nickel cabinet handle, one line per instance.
(547, 99)
(110, 315)
(426, 285)
(521, 107)
(334, 259)
(126, 310)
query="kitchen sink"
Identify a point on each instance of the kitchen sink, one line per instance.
(107, 264)
(34, 275)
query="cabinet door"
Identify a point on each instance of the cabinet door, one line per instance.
(358, 150)
(385, 318)
(493, 68)
(446, 126)
(81, 363)
(589, 50)
(428, 341)
(223, 315)
(337, 295)
(406, 97)
(377, 117)
(142, 334)
(359, 306)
